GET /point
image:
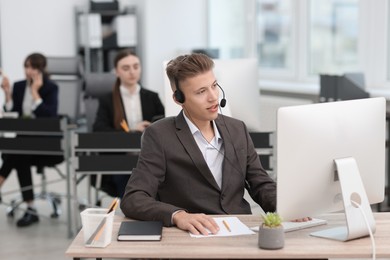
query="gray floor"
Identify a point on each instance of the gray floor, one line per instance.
(46, 240)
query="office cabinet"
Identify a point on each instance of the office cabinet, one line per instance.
(102, 31)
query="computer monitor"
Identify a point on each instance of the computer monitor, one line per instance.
(347, 87)
(352, 87)
(211, 52)
(321, 149)
(239, 80)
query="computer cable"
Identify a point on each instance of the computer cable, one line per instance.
(368, 227)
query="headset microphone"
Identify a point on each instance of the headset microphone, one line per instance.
(223, 100)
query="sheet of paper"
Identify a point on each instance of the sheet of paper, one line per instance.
(237, 228)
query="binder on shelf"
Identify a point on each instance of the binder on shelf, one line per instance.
(90, 33)
(126, 28)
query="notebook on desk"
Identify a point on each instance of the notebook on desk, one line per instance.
(140, 231)
(292, 226)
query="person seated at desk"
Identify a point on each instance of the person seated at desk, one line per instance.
(36, 96)
(197, 163)
(129, 102)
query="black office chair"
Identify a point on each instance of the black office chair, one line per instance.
(96, 85)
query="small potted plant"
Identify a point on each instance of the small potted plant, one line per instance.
(271, 231)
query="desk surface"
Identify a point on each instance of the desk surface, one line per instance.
(298, 244)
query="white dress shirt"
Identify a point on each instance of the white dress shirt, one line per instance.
(213, 151)
(29, 104)
(132, 106)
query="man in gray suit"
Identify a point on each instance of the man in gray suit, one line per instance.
(198, 163)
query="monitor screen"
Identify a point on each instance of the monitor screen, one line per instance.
(311, 137)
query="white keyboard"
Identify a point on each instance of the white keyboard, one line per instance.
(291, 226)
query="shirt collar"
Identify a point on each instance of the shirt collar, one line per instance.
(125, 91)
(195, 129)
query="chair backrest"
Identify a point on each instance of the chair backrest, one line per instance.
(67, 72)
(65, 66)
(264, 145)
(96, 85)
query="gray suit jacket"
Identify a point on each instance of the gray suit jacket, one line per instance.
(172, 174)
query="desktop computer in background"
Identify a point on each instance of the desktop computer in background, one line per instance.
(346, 87)
(211, 52)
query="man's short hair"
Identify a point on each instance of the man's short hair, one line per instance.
(188, 66)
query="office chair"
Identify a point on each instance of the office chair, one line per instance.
(68, 73)
(96, 85)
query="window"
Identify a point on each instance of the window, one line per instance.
(274, 34)
(388, 44)
(333, 40)
(227, 28)
(295, 40)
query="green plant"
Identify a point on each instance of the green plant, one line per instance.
(271, 219)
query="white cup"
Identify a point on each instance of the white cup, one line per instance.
(97, 227)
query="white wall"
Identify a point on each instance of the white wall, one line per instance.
(48, 26)
(35, 26)
(171, 27)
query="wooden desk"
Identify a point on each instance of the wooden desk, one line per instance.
(298, 244)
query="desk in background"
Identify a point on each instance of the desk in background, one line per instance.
(298, 244)
(101, 153)
(35, 137)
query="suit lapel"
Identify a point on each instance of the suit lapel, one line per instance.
(18, 102)
(189, 144)
(230, 163)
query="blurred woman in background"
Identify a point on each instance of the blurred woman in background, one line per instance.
(34, 97)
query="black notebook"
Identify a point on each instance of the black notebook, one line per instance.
(140, 230)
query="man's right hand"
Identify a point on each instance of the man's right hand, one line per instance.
(195, 223)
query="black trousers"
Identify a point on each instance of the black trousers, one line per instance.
(22, 164)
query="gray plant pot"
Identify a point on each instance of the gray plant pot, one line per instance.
(271, 238)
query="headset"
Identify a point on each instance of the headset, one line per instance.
(179, 95)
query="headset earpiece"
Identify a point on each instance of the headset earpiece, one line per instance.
(179, 96)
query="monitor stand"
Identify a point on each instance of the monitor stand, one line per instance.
(353, 191)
